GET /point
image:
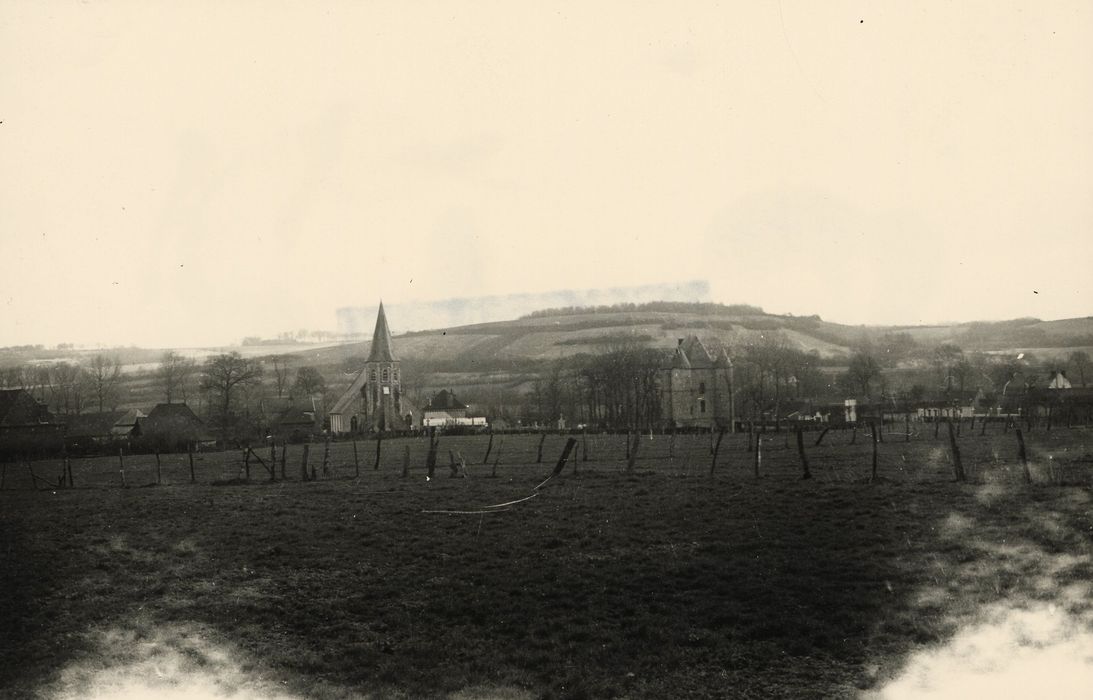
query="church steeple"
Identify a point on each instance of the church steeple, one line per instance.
(381, 340)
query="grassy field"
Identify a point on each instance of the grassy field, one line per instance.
(661, 582)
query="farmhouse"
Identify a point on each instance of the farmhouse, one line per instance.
(696, 387)
(288, 419)
(26, 425)
(446, 410)
(91, 431)
(374, 401)
(173, 426)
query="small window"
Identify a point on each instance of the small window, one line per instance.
(373, 375)
(396, 375)
(385, 375)
(702, 405)
(701, 388)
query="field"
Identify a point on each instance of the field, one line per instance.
(664, 581)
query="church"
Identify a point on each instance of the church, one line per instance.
(374, 401)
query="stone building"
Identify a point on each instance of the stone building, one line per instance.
(374, 401)
(696, 387)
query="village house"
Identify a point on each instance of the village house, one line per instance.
(27, 426)
(90, 432)
(288, 419)
(374, 401)
(446, 410)
(174, 426)
(696, 387)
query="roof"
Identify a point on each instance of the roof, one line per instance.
(353, 393)
(445, 400)
(101, 424)
(381, 340)
(18, 407)
(174, 418)
(692, 354)
(172, 410)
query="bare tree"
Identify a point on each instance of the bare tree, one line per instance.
(174, 374)
(223, 375)
(280, 372)
(67, 384)
(309, 382)
(863, 370)
(1079, 360)
(104, 378)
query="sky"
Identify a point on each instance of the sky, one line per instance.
(178, 174)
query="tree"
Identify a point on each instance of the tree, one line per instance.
(223, 375)
(280, 372)
(961, 370)
(67, 384)
(863, 370)
(104, 376)
(1079, 360)
(945, 356)
(309, 382)
(174, 374)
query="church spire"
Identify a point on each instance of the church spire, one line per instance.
(381, 340)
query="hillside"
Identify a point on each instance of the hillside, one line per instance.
(548, 336)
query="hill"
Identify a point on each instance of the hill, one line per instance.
(549, 335)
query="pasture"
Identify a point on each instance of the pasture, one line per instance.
(663, 581)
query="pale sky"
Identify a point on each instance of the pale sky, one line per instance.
(187, 173)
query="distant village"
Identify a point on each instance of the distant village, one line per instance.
(695, 386)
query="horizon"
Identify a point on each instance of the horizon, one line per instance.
(184, 176)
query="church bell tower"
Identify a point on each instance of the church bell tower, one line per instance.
(381, 392)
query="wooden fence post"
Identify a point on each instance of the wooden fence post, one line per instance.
(357, 461)
(303, 462)
(821, 437)
(907, 427)
(584, 446)
(190, 454)
(873, 433)
(284, 457)
(854, 434)
(158, 479)
(405, 461)
(758, 452)
(121, 465)
(716, 449)
(489, 448)
(570, 443)
(633, 452)
(627, 446)
(1023, 455)
(497, 457)
(430, 457)
(539, 458)
(326, 457)
(68, 471)
(801, 452)
(958, 465)
(246, 461)
(379, 450)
